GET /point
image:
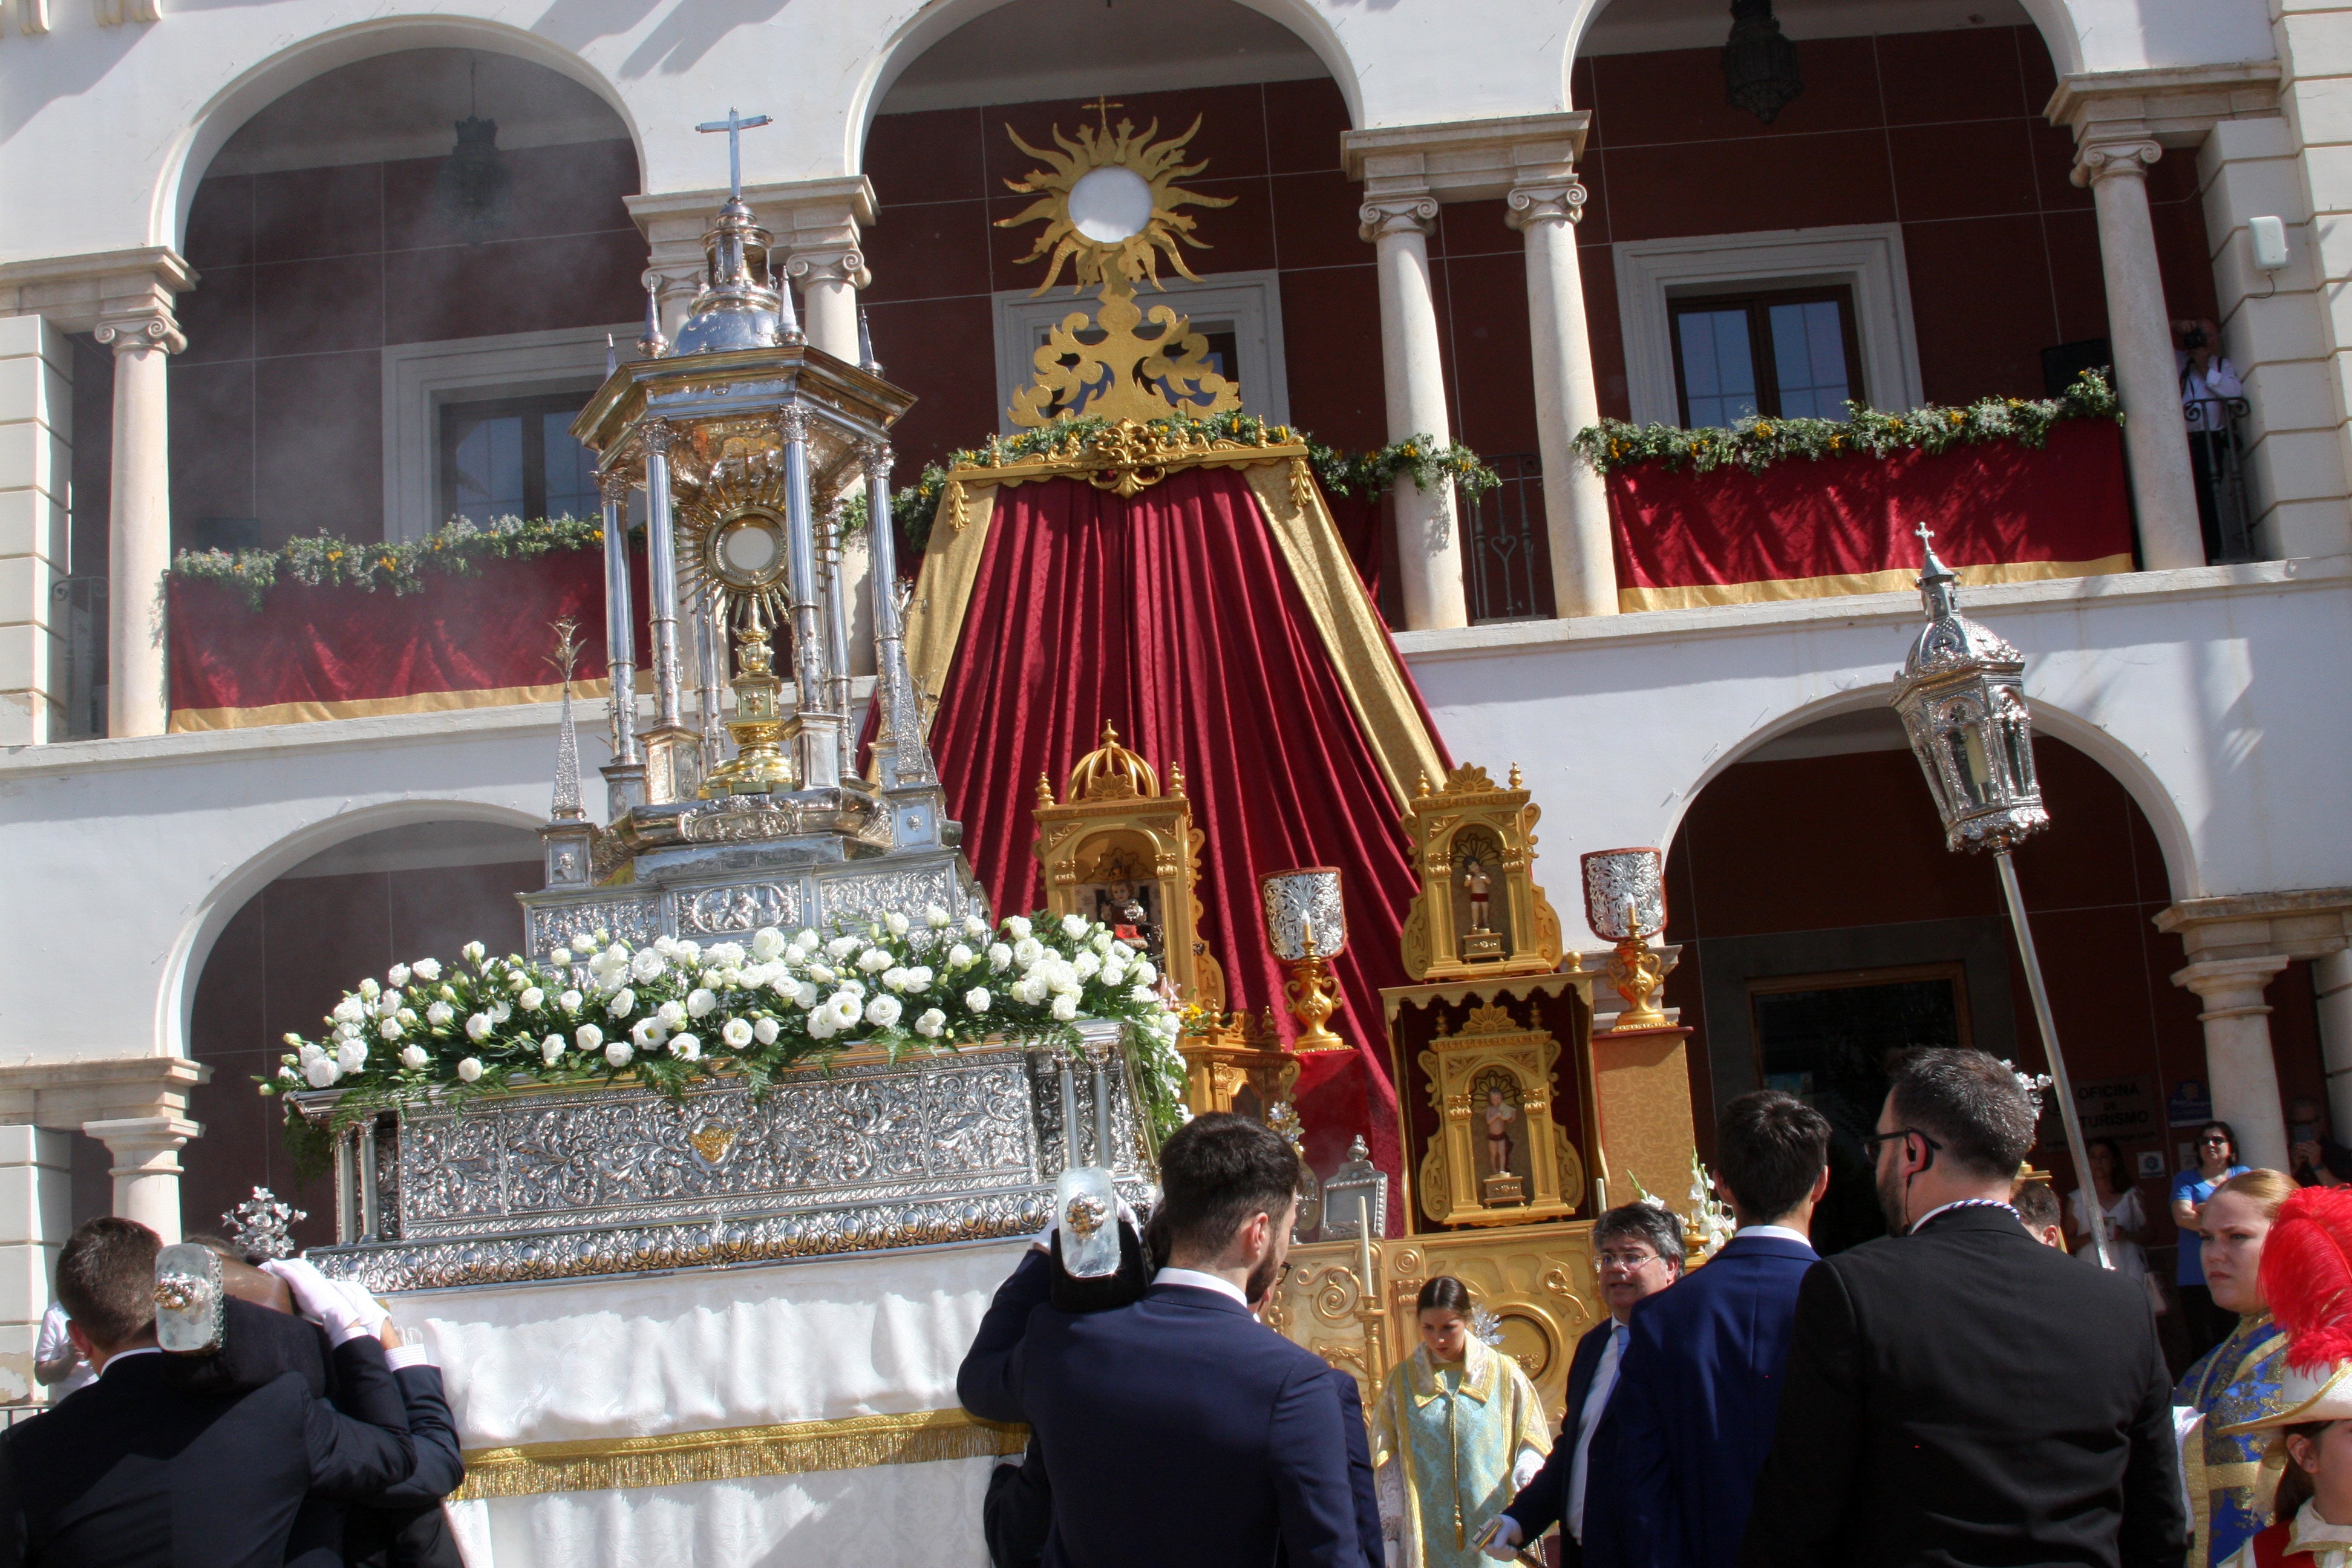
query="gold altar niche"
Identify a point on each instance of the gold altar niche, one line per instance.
(1479, 911)
(1115, 850)
(1500, 1158)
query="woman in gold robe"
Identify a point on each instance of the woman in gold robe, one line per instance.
(2233, 1474)
(1456, 1430)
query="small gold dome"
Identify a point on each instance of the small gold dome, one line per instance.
(1111, 771)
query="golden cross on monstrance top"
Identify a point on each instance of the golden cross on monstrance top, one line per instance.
(735, 125)
(1102, 106)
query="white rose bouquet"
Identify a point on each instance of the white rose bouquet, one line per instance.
(674, 1013)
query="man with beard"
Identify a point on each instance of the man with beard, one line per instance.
(1959, 1394)
(1178, 1430)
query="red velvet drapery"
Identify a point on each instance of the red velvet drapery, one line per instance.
(1174, 615)
(1843, 525)
(471, 640)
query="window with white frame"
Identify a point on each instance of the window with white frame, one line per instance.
(480, 427)
(1240, 314)
(1728, 326)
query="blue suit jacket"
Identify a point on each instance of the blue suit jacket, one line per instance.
(1146, 1410)
(1695, 1410)
(1543, 1502)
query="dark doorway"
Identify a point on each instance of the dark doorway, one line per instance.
(1825, 1038)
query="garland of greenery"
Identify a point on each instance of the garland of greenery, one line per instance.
(1423, 458)
(1756, 444)
(322, 561)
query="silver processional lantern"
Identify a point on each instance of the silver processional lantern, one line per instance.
(1961, 693)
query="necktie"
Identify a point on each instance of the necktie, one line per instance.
(1621, 1333)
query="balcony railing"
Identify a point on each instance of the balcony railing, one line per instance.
(1507, 559)
(78, 606)
(2217, 462)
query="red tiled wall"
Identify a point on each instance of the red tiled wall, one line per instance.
(306, 275)
(277, 405)
(285, 959)
(2092, 884)
(1941, 132)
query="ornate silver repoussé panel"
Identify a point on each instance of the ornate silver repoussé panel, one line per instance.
(870, 1155)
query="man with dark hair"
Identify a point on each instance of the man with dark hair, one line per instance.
(1956, 1393)
(137, 1471)
(2037, 1209)
(1178, 1430)
(1692, 1418)
(1637, 1251)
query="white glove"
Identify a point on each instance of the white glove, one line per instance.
(319, 1298)
(365, 1308)
(1525, 1470)
(1504, 1544)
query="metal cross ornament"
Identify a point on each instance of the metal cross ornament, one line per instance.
(735, 125)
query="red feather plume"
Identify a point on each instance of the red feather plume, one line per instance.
(2306, 1276)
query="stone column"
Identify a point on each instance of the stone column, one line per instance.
(36, 473)
(1429, 542)
(2239, 1067)
(1575, 501)
(146, 1172)
(2140, 333)
(36, 1213)
(2331, 979)
(139, 532)
(829, 278)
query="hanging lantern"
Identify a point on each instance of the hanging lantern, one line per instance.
(1759, 66)
(470, 192)
(1961, 693)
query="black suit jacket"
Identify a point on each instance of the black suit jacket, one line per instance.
(403, 1526)
(1146, 1410)
(136, 1472)
(1965, 1395)
(1543, 1502)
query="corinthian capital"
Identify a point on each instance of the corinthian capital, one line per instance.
(846, 265)
(2097, 160)
(1559, 201)
(1380, 216)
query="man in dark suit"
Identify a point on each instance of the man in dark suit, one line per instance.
(137, 1471)
(1637, 1252)
(1178, 1430)
(1695, 1406)
(1959, 1394)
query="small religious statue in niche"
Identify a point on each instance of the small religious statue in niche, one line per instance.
(1480, 912)
(1505, 1184)
(1117, 850)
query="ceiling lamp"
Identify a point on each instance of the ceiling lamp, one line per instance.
(1759, 66)
(469, 194)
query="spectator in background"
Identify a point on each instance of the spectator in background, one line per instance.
(2118, 1205)
(2240, 1379)
(2037, 1206)
(1700, 1392)
(1637, 1251)
(58, 1365)
(2313, 1156)
(2217, 1161)
(2208, 383)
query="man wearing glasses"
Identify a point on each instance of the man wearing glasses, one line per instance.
(1956, 1393)
(1638, 1251)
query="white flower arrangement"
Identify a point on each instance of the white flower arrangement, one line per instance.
(755, 1008)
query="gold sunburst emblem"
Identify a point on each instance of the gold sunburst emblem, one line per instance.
(1109, 201)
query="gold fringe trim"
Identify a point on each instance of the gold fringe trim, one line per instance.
(187, 718)
(1361, 653)
(1699, 595)
(735, 1453)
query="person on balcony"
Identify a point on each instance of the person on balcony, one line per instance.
(2209, 385)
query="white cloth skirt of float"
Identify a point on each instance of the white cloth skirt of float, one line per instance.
(791, 1413)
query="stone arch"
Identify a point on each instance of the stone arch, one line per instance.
(2053, 19)
(184, 967)
(926, 27)
(2127, 767)
(228, 109)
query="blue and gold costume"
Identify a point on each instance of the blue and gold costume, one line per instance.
(2230, 1493)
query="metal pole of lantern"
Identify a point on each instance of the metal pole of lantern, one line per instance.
(1961, 695)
